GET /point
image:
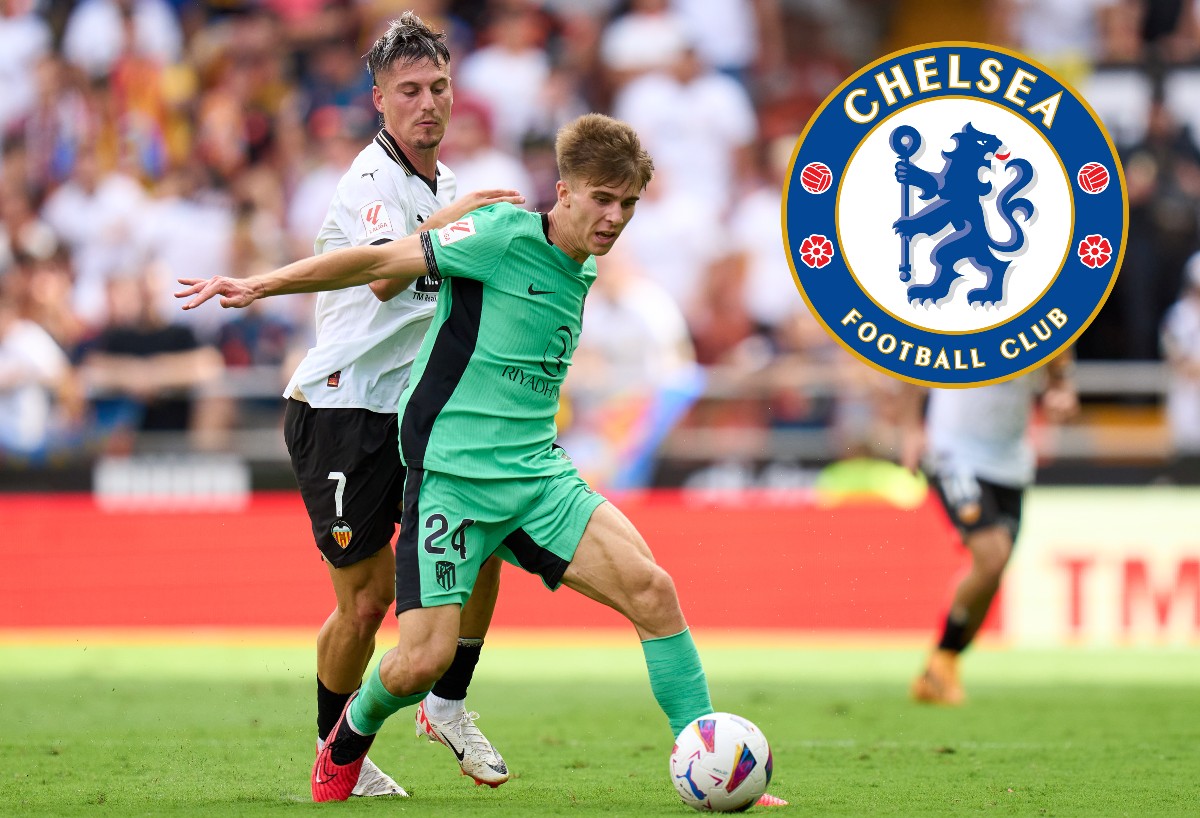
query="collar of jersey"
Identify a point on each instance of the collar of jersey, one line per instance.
(572, 264)
(385, 141)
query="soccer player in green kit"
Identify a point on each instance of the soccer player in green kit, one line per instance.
(477, 432)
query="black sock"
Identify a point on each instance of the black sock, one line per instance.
(457, 678)
(329, 707)
(954, 635)
(347, 746)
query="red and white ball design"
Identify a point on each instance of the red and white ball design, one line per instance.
(1093, 177)
(816, 177)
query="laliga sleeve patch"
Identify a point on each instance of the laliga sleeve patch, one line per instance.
(955, 214)
(455, 231)
(375, 218)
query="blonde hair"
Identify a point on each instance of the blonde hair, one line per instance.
(599, 150)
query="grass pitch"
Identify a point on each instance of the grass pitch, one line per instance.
(100, 727)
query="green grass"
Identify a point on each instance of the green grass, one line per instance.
(110, 729)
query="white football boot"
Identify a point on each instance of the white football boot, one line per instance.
(475, 754)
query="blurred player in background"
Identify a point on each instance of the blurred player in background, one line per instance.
(980, 459)
(340, 424)
(477, 434)
(1180, 340)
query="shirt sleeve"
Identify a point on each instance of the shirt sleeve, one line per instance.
(473, 246)
(369, 213)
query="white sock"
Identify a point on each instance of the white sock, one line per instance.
(443, 709)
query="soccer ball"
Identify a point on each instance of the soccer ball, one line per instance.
(721, 763)
(816, 177)
(1093, 177)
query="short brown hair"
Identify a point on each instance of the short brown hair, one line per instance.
(599, 150)
(407, 40)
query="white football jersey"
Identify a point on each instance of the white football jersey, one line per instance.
(983, 431)
(365, 347)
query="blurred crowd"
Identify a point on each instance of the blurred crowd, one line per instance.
(145, 141)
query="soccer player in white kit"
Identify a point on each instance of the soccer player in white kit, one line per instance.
(340, 423)
(980, 460)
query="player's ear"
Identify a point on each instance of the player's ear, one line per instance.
(377, 98)
(563, 191)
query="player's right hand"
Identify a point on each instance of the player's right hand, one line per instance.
(235, 292)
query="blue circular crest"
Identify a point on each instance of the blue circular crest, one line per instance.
(955, 215)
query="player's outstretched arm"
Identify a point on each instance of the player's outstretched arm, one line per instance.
(386, 290)
(910, 405)
(1060, 401)
(402, 260)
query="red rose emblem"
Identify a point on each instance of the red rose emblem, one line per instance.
(816, 251)
(1095, 251)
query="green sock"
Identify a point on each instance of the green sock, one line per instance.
(677, 678)
(373, 704)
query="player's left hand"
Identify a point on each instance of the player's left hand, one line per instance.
(1060, 403)
(476, 199)
(235, 292)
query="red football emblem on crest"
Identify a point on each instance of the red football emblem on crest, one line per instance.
(816, 177)
(1093, 177)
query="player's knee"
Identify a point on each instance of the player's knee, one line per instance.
(427, 666)
(992, 556)
(654, 592)
(367, 610)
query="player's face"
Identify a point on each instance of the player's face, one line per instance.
(596, 215)
(415, 100)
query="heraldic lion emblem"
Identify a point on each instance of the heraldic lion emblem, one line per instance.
(958, 195)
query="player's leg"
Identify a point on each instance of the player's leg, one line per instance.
(572, 537)
(438, 556)
(990, 539)
(443, 716)
(987, 517)
(990, 550)
(348, 468)
(450, 691)
(446, 538)
(613, 565)
(403, 676)
(345, 645)
(346, 641)
(569, 535)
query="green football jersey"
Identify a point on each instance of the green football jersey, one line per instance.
(484, 389)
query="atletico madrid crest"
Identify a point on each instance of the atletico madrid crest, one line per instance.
(341, 533)
(955, 214)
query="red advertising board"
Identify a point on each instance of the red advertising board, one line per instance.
(755, 562)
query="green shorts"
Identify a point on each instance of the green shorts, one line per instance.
(452, 524)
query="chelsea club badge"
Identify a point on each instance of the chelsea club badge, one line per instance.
(955, 215)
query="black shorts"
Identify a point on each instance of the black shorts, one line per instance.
(347, 463)
(974, 504)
